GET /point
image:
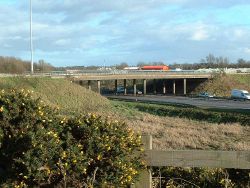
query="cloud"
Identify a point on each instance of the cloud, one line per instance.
(202, 32)
(125, 30)
(247, 50)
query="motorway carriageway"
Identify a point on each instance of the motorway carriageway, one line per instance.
(198, 102)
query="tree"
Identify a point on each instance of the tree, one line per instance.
(121, 65)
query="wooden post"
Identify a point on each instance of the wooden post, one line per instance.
(144, 86)
(125, 86)
(145, 179)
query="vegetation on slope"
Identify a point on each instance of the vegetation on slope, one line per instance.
(61, 93)
(168, 132)
(221, 85)
(183, 133)
(39, 147)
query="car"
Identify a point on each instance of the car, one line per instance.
(240, 94)
(120, 90)
(205, 95)
(131, 91)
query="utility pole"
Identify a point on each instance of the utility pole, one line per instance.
(31, 40)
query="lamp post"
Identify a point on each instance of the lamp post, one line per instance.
(31, 41)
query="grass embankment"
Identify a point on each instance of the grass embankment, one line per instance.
(61, 93)
(222, 85)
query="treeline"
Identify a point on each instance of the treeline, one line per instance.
(209, 61)
(14, 65)
(212, 62)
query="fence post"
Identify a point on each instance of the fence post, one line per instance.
(145, 178)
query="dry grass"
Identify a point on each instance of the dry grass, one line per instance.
(177, 133)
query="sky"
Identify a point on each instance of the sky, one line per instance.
(108, 32)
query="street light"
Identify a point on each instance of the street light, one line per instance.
(31, 42)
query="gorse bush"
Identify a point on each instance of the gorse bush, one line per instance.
(39, 147)
(176, 177)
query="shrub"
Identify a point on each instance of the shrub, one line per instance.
(39, 147)
(201, 177)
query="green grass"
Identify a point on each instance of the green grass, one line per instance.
(242, 79)
(186, 112)
(69, 97)
(126, 109)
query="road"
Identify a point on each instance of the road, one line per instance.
(199, 102)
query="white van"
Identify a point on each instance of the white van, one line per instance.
(240, 94)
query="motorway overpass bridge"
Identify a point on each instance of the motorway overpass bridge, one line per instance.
(183, 78)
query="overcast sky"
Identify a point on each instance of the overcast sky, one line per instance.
(106, 32)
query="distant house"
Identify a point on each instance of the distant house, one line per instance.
(131, 68)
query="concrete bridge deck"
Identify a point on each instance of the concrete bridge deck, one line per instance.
(142, 75)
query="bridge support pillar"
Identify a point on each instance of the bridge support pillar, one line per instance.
(134, 86)
(174, 87)
(125, 86)
(154, 86)
(144, 86)
(185, 86)
(99, 86)
(89, 84)
(80, 82)
(115, 85)
(164, 87)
